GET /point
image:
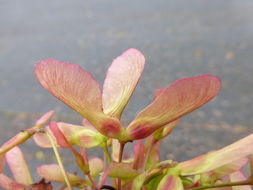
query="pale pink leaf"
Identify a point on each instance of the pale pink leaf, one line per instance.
(236, 177)
(96, 166)
(72, 85)
(45, 118)
(121, 80)
(18, 166)
(164, 131)
(41, 139)
(170, 182)
(77, 88)
(52, 172)
(9, 184)
(178, 99)
(216, 159)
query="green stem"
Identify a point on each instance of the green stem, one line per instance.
(122, 145)
(240, 183)
(58, 158)
(150, 147)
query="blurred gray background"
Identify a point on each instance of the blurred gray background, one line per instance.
(179, 38)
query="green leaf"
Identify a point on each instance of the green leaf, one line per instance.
(170, 182)
(139, 181)
(153, 184)
(122, 170)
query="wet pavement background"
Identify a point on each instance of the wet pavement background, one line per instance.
(179, 38)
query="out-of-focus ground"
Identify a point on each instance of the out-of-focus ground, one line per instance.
(178, 37)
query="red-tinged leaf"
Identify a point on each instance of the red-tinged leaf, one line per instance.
(122, 170)
(59, 136)
(63, 142)
(79, 90)
(175, 101)
(41, 139)
(9, 184)
(52, 172)
(158, 92)
(45, 118)
(71, 84)
(121, 80)
(236, 177)
(18, 166)
(216, 159)
(170, 182)
(96, 166)
(164, 131)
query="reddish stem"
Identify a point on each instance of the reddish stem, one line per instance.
(122, 145)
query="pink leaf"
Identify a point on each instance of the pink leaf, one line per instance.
(18, 166)
(121, 80)
(70, 84)
(178, 99)
(96, 166)
(59, 136)
(9, 184)
(236, 177)
(52, 172)
(41, 139)
(45, 118)
(216, 159)
(78, 89)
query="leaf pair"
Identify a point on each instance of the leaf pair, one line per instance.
(79, 90)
